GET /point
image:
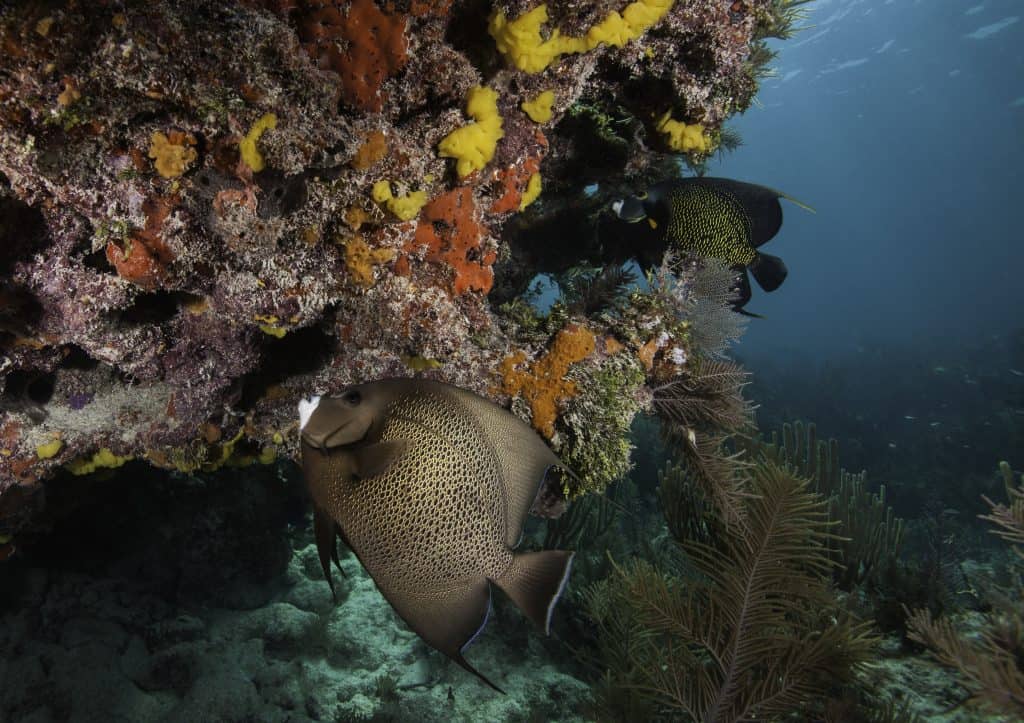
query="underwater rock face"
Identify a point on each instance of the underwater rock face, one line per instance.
(210, 209)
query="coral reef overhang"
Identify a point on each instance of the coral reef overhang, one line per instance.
(209, 210)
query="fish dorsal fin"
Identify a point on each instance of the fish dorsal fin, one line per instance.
(373, 460)
(523, 457)
(797, 202)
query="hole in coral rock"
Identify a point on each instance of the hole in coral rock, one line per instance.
(22, 386)
(464, 34)
(298, 352)
(131, 520)
(19, 310)
(40, 389)
(75, 357)
(153, 308)
(22, 232)
(97, 261)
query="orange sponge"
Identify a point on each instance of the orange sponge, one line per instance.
(543, 383)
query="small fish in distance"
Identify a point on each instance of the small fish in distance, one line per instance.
(430, 485)
(717, 218)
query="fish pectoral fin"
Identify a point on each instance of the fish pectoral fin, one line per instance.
(373, 460)
(325, 531)
(535, 581)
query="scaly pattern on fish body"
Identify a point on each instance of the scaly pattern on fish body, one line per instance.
(711, 223)
(435, 518)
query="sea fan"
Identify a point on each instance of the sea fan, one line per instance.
(990, 671)
(702, 292)
(589, 291)
(990, 661)
(711, 469)
(1009, 520)
(753, 635)
(708, 394)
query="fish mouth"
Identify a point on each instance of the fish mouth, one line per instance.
(325, 437)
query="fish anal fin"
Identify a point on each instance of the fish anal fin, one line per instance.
(325, 531)
(449, 622)
(466, 666)
(373, 460)
(535, 581)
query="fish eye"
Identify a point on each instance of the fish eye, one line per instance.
(642, 195)
(352, 397)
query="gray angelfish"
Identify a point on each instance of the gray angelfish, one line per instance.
(430, 486)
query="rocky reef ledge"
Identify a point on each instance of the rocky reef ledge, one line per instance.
(211, 209)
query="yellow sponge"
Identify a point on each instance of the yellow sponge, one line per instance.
(533, 189)
(104, 458)
(683, 137)
(247, 146)
(405, 207)
(473, 145)
(49, 449)
(539, 109)
(521, 41)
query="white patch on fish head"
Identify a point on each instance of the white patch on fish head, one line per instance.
(617, 207)
(306, 409)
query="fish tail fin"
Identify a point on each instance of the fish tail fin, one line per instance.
(769, 271)
(535, 582)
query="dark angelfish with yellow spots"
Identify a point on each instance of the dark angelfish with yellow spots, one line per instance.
(717, 218)
(430, 486)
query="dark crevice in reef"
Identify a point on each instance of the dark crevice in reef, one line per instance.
(467, 32)
(19, 311)
(97, 260)
(216, 540)
(27, 392)
(75, 357)
(22, 232)
(28, 386)
(299, 352)
(536, 244)
(40, 389)
(156, 307)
